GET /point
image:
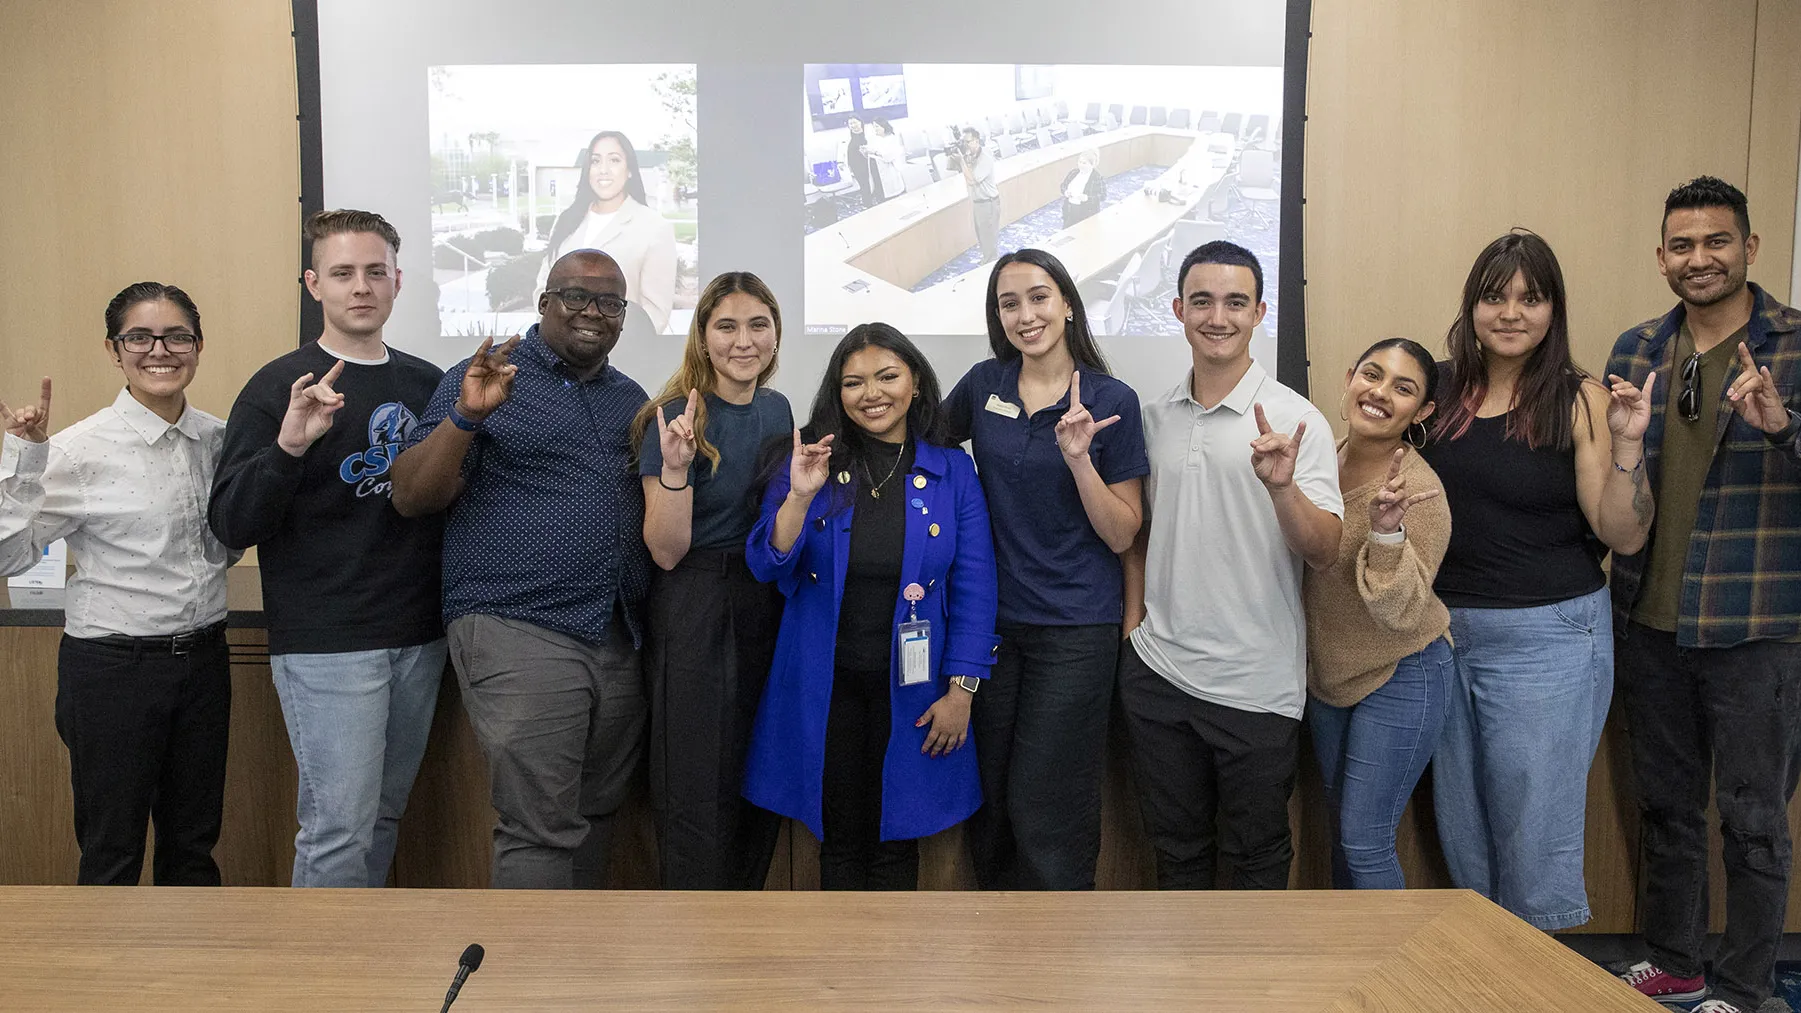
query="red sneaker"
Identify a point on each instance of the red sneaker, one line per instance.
(1663, 986)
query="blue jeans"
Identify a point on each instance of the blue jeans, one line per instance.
(1371, 754)
(1510, 779)
(357, 723)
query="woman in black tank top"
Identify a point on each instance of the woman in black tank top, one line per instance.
(1543, 471)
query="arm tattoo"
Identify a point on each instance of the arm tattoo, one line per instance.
(1643, 507)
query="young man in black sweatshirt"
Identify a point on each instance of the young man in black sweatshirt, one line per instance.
(350, 588)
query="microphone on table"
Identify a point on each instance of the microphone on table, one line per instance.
(467, 965)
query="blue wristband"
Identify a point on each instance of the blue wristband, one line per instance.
(463, 422)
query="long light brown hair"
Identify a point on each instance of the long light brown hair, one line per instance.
(696, 371)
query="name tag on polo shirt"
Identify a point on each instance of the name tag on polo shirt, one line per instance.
(999, 407)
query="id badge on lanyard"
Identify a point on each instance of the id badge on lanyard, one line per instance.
(915, 640)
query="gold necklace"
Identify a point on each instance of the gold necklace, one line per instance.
(875, 488)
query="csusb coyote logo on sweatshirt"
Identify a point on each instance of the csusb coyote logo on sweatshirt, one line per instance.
(389, 426)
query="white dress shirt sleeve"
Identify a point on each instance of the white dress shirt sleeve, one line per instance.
(40, 501)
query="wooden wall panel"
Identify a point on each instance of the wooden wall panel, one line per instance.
(1434, 127)
(145, 141)
(1775, 149)
(37, 817)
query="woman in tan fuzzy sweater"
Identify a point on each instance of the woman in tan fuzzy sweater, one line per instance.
(1378, 657)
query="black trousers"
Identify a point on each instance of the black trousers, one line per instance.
(1737, 712)
(1040, 723)
(147, 734)
(709, 644)
(1197, 762)
(853, 855)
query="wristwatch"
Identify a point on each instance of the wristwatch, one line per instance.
(463, 422)
(966, 682)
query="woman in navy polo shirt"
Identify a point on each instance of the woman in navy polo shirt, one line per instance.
(1061, 455)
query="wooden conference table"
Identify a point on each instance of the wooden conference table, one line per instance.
(864, 267)
(74, 948)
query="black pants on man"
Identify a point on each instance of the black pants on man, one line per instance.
(146, 731)
(1197, 762)
(1736, 710)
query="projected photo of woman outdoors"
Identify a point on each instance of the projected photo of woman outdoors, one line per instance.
(531, 162)
(610, 212)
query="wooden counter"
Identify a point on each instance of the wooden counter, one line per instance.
(69, 948)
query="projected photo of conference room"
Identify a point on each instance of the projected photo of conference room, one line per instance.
(917, 175)
(530, 162)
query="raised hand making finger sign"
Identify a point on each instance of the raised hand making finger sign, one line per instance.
(1754, 395)
(487, 380)
(30, 423)
(310, 408)
(1076, 429)
(1392, 502)
(1273, 454)
(809, 467)
(676, 436)
(1629, 408)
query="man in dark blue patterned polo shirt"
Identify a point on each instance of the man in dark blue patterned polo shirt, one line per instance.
(528, 446)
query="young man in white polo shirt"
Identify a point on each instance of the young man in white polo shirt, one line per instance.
(1243, 492)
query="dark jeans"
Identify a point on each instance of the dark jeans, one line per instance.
(1737, 710)
(1198, 761)
(1040, 725)
(853, 855)
(146, 733)
(707, 651)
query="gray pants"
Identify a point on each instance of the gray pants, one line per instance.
(561, 722)
(988, 227)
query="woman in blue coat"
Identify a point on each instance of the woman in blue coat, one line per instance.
(875, 532)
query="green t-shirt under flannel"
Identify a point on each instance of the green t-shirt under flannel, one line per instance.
(1687, 454)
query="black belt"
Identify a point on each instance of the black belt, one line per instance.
(180, 643)
(713, 560)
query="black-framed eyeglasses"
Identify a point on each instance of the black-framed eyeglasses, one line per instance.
(577, 299)
(1689, 401)
(177, 342)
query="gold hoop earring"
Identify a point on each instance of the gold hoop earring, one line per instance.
(1343, 415)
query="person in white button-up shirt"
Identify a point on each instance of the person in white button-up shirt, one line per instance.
(143, 679)
(1241, 497)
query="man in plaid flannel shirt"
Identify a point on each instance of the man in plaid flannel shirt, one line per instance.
(1708, 615)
